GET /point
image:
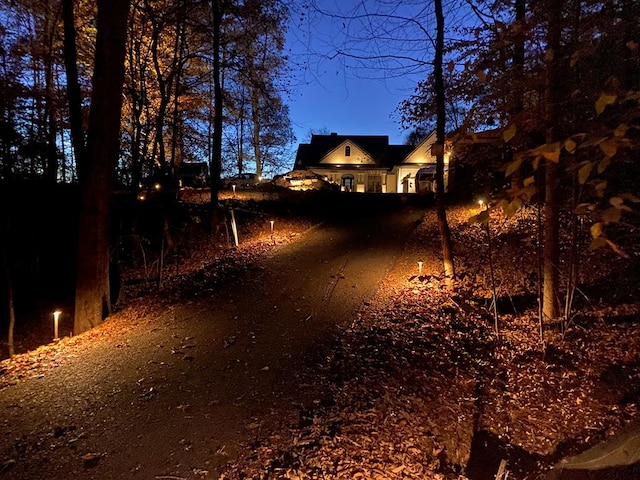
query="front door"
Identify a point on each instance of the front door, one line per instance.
(347, 183)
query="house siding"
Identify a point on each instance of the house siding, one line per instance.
(368, 163)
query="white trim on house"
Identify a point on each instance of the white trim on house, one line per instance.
(393, 169)
(356, 155)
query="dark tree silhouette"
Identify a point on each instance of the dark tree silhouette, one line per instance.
(92, 302)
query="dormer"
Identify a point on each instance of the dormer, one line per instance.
(422, 154)
(347, 153)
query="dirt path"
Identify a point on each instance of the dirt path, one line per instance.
(174, 397)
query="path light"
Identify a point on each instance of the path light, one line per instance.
(481, 203)
(272, 227)
(233, 187)
(419, 268)
(56, 316)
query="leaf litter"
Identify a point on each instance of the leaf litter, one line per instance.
(420, 378)
(420, 386)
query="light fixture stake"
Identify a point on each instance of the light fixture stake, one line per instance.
(56, 316)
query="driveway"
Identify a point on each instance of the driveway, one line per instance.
(175, 396)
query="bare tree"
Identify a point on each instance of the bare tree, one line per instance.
(439, 146)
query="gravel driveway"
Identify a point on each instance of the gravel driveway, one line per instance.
(174, 397)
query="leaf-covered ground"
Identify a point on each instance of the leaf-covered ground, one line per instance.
(422, 386)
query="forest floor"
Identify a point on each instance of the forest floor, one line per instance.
(416, 383)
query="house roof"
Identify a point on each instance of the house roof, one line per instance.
(377, 146)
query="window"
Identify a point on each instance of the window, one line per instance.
(347, 151)
(374, 184)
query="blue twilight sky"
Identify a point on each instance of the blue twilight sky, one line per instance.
(354, 61)
(336, 93)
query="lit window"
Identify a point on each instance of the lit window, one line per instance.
(347, 151)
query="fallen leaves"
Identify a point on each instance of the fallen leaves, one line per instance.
(410, 384)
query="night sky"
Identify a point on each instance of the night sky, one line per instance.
(337, 94)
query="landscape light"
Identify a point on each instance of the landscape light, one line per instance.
(56, 316)
(481, 203)
(233, 187)
(419, 268)
(272, 227)
(157, 186)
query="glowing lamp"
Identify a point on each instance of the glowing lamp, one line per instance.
(56, 317)
(157, 186)
(233, 187)
(272, 227)
(419, 268)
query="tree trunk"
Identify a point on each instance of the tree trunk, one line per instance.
(443, 225)
(52, 164)
(93, 303)
(216, 160)
(255, 112)
(176, 130)
(519, 57)
(551, 256)
(137, 99)
(74, 96)
(9, 293)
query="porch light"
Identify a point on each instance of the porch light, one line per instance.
(56, 316)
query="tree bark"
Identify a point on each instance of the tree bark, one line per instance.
(9, 292)
(443, 225)
(551, 255)
(74, 95)
(255, 112)
(216, 160)
(92, 302)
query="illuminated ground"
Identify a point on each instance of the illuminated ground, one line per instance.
(246, 377)
(176, 393)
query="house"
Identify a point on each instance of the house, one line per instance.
(368, 163)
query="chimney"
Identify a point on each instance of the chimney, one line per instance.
(334, 134)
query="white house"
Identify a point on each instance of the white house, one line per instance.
(367, 163)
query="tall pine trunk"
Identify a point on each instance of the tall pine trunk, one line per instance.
(443, 225)
(92, 302)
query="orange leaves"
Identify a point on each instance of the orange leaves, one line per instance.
(509, 133)
(570, 145)
(603, 101)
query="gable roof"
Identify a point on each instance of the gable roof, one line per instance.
(377, 146)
